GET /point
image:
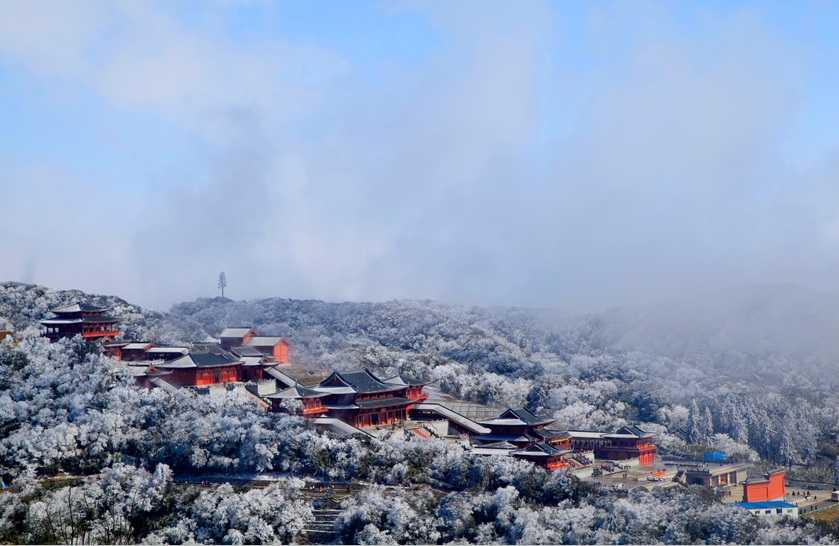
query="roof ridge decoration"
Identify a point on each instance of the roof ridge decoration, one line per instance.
(368, 372)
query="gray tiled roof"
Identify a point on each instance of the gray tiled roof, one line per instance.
(404, 380)
(262, 341)
(79, 307)
(236, 332)
(198, 360)
(362, 382)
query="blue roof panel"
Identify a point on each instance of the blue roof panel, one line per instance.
(765, 504)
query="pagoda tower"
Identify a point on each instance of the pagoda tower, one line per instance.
(80, 318)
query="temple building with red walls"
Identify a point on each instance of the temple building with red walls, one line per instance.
(769, 487)
(235, 337)
(243, 337)
(83, 319)
(627, 442)
(518, 427)
(522, 434)
(543, 454)
(359, 399)
(310, 401)
(193, 370)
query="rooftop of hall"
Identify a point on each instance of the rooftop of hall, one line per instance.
(200, 360)
(95, 319)
(236, 332)
(541, 449)
(359, 382)
(519, 416)
(400, 379)
(80, 307)
(296, 392)
(264, 341)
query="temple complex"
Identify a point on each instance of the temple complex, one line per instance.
(353, 401)
(83, 319)
(359, 399)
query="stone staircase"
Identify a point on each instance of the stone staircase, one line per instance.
(320, 531)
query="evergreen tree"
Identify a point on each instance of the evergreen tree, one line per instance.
(222, 282)
(695, 425)
(739, 429)
(707, 424)
(786, 446)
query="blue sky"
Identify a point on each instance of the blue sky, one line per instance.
(566, 154)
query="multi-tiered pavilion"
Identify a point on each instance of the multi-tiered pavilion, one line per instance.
(89, 321)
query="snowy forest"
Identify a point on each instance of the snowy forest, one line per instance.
(750, 373)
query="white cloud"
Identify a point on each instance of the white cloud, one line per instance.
(428, 181)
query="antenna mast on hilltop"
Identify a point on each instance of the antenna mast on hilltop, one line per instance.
(222, 282)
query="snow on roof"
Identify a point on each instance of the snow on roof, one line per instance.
(238, 332)
(136, 371)
(489, 451)
(586, 434)
(137, 346)
(635, 431)
(541, 449)
(251, 360)
(168, 350)
(262, 341)
(404, 380)
(79, 307)
(518, 417)
(283, 378)
(336, 390)
(295, 392)
(47, 322)
(198, 360)
(508, 422)
(163, 384)
(500, 437)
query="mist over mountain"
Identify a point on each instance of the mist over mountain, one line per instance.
(776, 334)
(750, 373)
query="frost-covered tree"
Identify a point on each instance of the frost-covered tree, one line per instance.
(222, 282)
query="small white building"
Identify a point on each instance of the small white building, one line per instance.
(770, 508)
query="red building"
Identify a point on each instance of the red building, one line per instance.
(83, 319)
(522, 434)
(235, 337)
(627, 442)
(243, 337)
(193, 370)
(141, 351)
(768, 488)
(359, 398)
(518, 427)
(543, 454)
(310, 401)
